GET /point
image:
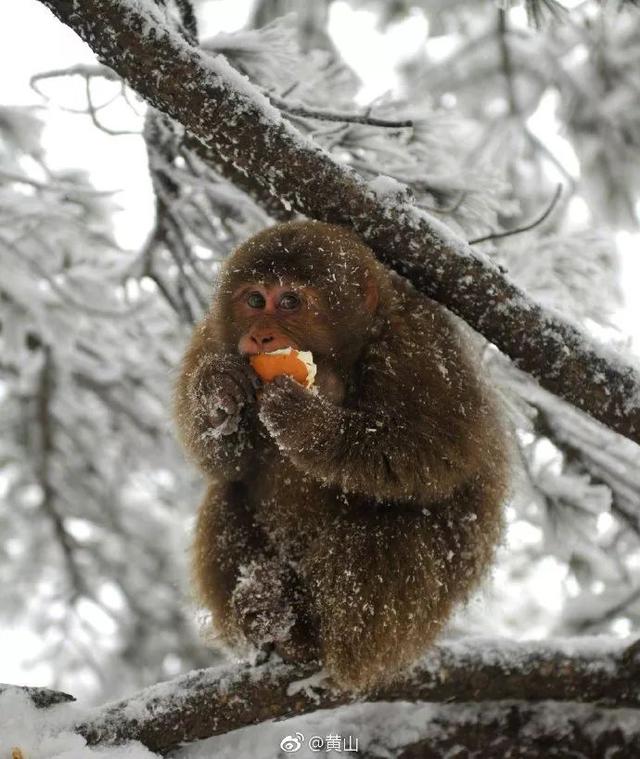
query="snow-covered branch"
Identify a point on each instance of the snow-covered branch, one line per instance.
(224, 111)
(212, 701)
(494, 730)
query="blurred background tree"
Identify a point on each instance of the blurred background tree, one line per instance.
(507, 100)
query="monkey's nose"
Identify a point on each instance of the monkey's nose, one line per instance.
(262, 341)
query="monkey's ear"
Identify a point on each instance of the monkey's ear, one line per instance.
(371, 295)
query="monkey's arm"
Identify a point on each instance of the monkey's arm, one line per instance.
(403, 440)
(214, 402)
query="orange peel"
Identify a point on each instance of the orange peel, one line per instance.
(296, 364)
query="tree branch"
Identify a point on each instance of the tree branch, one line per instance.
(43, 698)
(248, 183)
(323, 114)
(216, 104)
(595, 450)
(45, 451)
(510, 729)
(213, 701)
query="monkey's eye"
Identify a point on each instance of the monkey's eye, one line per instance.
(289, 301)
(255, 300)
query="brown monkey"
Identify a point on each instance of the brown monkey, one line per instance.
(340, 524)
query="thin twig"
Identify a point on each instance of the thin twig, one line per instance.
(174, 238)
(154, 240)
(46, 450)
(450, 209)
(86, 72)
(527, 227)
(347, 118)
(92, 110)
(507, 67)
(57, 186)
(609, 613)
(539, 145)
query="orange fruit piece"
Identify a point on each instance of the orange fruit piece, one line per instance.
(296, 364)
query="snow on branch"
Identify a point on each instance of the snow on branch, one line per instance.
(509, 729)
(496, 674)
(232, 119)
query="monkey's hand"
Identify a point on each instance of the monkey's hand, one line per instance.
(214, 398)
(225, 384)
(302, 423)
(368, 452)
(285, 403)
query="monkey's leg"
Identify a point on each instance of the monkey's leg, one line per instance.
(379, 583)
(253, 595)
(226, 537)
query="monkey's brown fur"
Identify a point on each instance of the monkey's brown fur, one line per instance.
(354, 521)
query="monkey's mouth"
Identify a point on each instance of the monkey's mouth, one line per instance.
(249, 346)
(268, 350)
(290, 346)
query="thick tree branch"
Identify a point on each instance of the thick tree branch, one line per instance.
(248, 183)
(209, 702)
(511, 729)
(230, 117)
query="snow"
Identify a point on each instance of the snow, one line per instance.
(271, 53)
(384, 186)
(492, 651)
(308, 684)
(46, 733)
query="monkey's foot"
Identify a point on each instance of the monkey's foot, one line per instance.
(263, 654)
(260, 605)
(301, 644)
(295, 652)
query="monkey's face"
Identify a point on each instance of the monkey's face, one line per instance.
(308, 286)
(267, 316)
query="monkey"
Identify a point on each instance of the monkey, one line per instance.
(341, 524)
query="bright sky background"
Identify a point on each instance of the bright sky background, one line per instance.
(32, 41)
